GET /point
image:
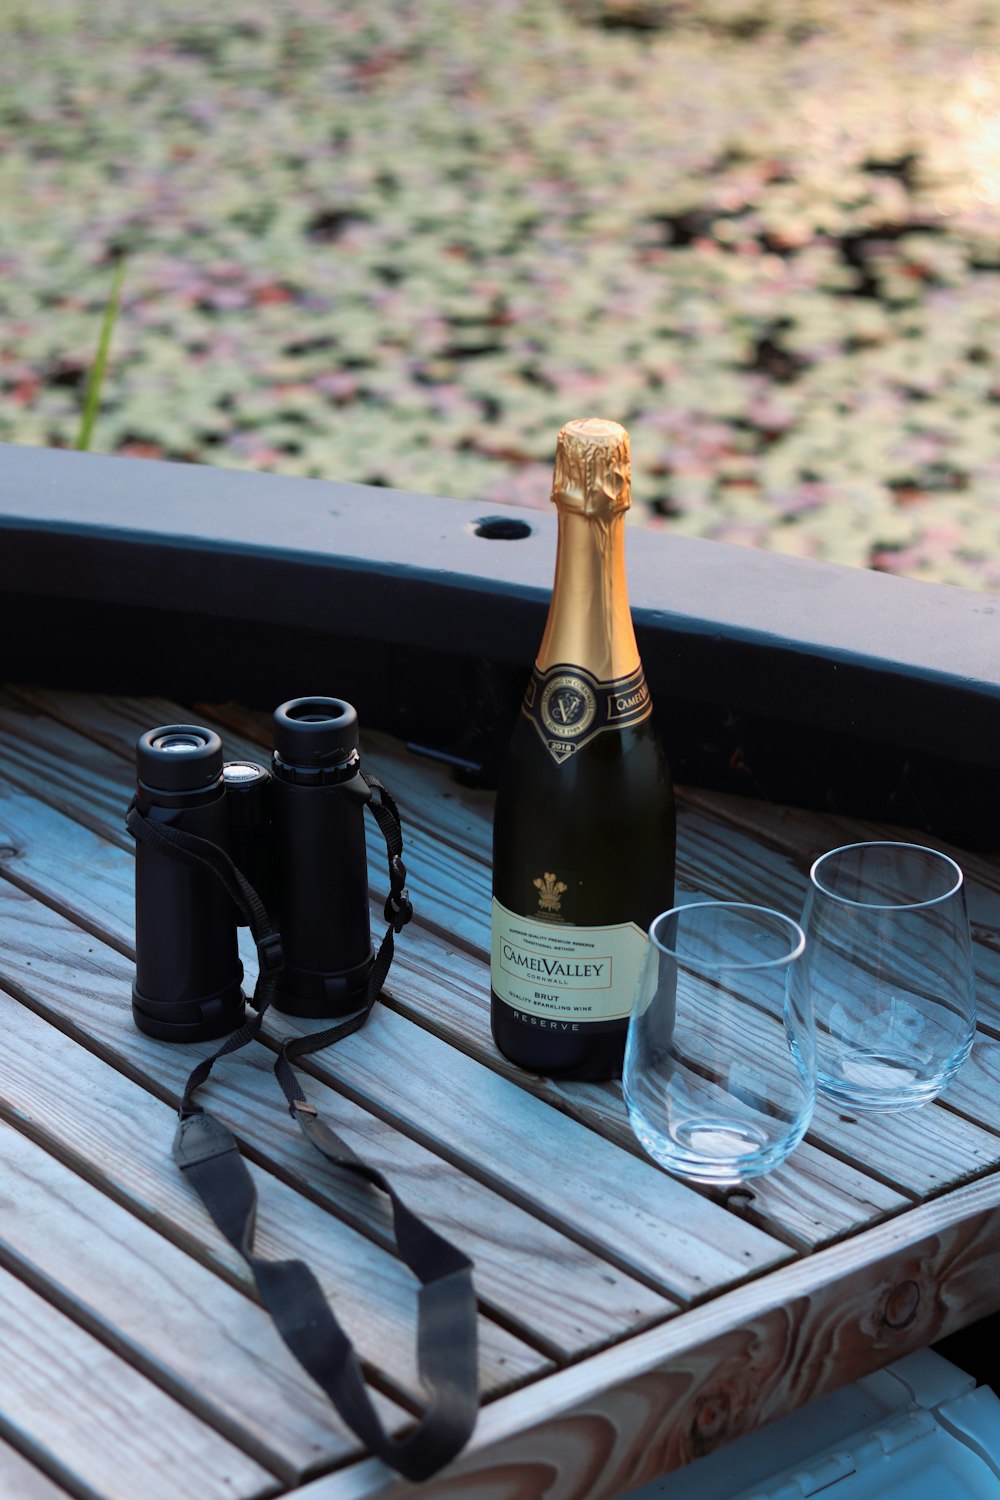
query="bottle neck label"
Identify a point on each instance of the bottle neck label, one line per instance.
(569, 707)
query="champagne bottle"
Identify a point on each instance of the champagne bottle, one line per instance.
(583, 833)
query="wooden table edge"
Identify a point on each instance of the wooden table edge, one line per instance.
(666, 1396)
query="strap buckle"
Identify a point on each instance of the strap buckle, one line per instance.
(270, 953)
(398, 910)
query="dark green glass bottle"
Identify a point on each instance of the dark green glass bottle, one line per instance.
(583, 833)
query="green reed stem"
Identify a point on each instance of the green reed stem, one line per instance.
(93, 399)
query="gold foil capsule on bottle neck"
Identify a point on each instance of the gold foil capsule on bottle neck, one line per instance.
(593, 471)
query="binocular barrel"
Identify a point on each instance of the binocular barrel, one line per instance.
(318, 798)
(188, 973)
(297, 834)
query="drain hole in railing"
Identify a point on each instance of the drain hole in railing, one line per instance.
(502, 529)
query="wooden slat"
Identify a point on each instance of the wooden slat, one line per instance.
(596, 1192)
(536, 1277)
(915, 1152)
(560, 1170)
(80, 776)
(578, 1182)
(809, 832)
(464, 820)
(921, 1150)
(666, 1397)
(115, 722)
(103, 1428)
(744, 1356)
(431, 981)
(684, 1266)
(976, 1092)
(911, 1154)
(119, 1135)
(463, 816)
(209, 1346)
(786, 840)
(66, 864)
(804, 834)
(812, 1199)
(21, 1480)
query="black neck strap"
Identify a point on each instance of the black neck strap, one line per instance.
(208, 1154)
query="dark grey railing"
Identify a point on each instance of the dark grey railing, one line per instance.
(781, 677)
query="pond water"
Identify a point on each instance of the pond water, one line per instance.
(403, 243)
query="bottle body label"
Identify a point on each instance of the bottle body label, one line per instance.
(569, 706)
(565, 975)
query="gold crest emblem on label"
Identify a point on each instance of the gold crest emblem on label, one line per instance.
(568, 706)
(550, 892)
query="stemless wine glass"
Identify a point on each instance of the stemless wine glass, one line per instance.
(890, 965)
(719, 1073)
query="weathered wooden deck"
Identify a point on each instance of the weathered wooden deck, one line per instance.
(628, 1322)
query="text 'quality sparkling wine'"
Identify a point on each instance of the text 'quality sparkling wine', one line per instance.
(583, 834)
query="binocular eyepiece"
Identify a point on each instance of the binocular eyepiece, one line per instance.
(295, 830)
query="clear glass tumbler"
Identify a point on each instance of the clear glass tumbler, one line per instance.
(890, 966)
(719, 1073)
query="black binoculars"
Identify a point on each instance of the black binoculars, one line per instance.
(295, 831)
